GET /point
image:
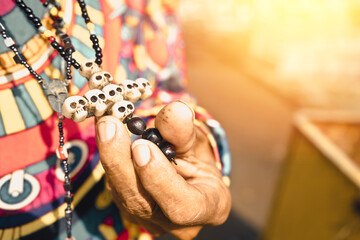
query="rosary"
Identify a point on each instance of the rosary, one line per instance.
(104, 98)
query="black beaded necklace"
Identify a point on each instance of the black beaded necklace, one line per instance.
(19, 57)
(135, 125)
(61, 152)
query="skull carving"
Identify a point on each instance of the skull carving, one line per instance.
(122, 110)
(132, 92)
(144, 88)
(75, 108)
(97, 102)
(108, 77)
(99, 80)
(113, 93)
(88, 68)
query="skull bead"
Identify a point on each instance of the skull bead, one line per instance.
(109, 77)
(132, 92)
(113, 93)
(97, 102)
(144, 88)
(121, 110)
(75, 108)
(99, 80)
(88, 68)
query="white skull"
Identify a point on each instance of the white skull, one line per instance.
(144, 88)
(122, 110)
(75, 108)
(97, 99)
(99, 80)
(132, 92)
(108, 77)
(113, 93)
(88, 68)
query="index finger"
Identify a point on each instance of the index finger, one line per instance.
(114, 143)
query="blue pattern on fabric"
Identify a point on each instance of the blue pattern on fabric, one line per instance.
(79, 81)
(56, 62)
(223, 146)
(2, 129)
(94, 4)
(45, 77)
(86, 51)
(28, 110)
(24, 31)
(22, 218)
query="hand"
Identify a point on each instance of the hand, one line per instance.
(154, 193)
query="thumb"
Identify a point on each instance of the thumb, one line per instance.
(114, 146)
(113, 143)
(175, 123)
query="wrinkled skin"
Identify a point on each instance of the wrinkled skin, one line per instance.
(156, 194)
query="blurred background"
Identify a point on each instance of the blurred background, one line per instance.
(258, 66)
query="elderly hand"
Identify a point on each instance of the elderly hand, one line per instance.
(154, 193)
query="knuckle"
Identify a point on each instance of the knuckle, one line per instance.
(224, 207)
(186, 215)
(138, 207)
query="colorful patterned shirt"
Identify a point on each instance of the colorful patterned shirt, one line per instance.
(140, 38)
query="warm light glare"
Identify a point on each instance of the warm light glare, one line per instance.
(308, 46)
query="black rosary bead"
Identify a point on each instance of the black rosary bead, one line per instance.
(67, 186)
(75, 64)
(95, 46)
(60, 48)
(36, 21)
(153, 135)
(136, 125)
(28, 10)
(169, 151)
(94, 38)
(97, 49)
(55, 44)
(22, 5)
(98, 61)
(85, 15)
(98, 55)
(38, 25)
(31, 16)
(82, 4)
(68, 199)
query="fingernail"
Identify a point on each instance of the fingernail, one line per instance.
(141, 153)
(106, 131)
(186, 104)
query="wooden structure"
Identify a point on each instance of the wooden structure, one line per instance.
(318, 194)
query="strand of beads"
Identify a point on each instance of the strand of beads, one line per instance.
(137, 126)
(19, 57)
(62, 155)
(91, 28)
(45, 32)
